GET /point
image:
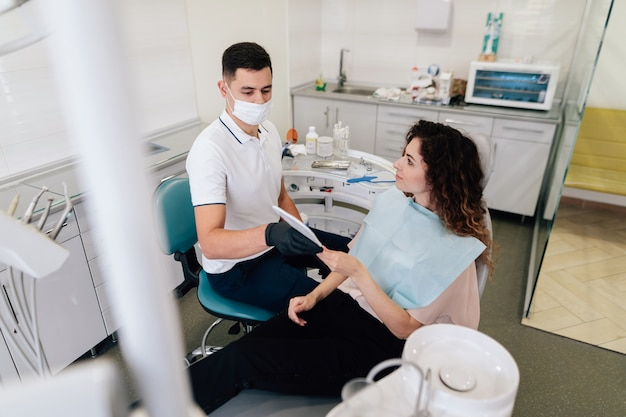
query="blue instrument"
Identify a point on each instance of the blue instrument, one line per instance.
(367, 178)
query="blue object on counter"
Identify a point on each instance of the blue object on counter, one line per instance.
(367, 178)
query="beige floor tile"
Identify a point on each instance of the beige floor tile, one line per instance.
(572, 259)
(543, 301)
(553, 319)
(613, 295)
(595, 299)
(617, 281)
(596, 333)
(581, 289)
(556, 247)
(564, 289)
(618, 345)
(600, 269)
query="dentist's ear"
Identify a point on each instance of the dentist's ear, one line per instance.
(221, 86)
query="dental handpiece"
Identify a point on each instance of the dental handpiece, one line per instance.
(68, 207)
(44, 215)
(31, 207)
(13, 205)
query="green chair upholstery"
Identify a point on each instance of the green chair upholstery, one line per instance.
(176, 228)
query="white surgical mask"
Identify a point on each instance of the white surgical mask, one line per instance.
(250, 113)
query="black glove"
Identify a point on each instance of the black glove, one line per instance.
(288, 240)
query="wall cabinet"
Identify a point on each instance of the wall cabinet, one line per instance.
(324, 113)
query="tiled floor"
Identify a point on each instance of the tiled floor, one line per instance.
(581, 289)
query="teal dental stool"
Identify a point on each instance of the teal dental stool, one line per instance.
(177, 236)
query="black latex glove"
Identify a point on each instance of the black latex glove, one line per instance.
(288, 240)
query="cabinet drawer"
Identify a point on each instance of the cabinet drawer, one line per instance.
(467, 123)
(525, 131)
(390, 140)
(174, 170)
(404, 116)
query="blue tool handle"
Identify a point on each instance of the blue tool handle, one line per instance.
(360, 179)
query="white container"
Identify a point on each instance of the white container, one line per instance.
(324, 146)
(472, 374)
(311, 141)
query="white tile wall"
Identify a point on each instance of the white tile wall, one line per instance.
(32, 129)
(384, 44)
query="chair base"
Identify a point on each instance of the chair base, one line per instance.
(197, 354)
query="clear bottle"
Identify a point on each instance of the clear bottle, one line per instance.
(311, 141)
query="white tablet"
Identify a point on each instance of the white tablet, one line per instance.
(298, 225)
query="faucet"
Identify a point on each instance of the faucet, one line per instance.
(342, 75)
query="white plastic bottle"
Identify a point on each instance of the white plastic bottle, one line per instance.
(311, 141)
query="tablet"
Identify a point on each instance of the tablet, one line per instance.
(298, 225)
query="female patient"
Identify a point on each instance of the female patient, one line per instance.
(411, 264)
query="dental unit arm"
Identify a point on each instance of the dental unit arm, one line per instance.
(29, 255)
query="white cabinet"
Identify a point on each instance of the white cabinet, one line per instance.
(324, 113)
(467, 123)
(522, 151)
(8, 373)
(393, 123)
(69, 318)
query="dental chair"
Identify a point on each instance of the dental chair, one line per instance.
(178, 237)
(487, 154)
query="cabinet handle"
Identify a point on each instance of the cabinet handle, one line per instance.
(395, 149)
(406, 116)
(519, 129)
(395, 132)
(336, 114)
(459, 122)
(326, 114)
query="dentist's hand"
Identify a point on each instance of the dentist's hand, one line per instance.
(288, 240)
(298, 305)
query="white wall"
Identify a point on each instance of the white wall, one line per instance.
(214, 26)
(32, 131)
(608, 88)
(385, 45)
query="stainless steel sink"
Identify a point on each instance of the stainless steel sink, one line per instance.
(359, 91)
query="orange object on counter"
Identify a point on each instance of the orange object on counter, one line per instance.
(292, 135)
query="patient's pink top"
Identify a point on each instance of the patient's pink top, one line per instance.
(458, 304)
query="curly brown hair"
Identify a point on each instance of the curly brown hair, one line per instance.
(454, 173)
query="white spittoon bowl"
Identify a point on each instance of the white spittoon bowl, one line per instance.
(471, 373)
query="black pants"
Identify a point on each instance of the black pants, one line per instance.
(341, 341)
(270, 280)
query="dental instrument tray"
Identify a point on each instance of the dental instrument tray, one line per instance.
(331, 164)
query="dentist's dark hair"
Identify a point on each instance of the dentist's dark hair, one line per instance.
(246, 55)
(454, 173)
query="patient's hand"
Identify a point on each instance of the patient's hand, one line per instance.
(341, 262)
(298, 305)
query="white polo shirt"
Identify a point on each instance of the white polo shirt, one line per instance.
(227, 166)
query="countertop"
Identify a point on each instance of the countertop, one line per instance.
(173, 145)
(552, 115)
